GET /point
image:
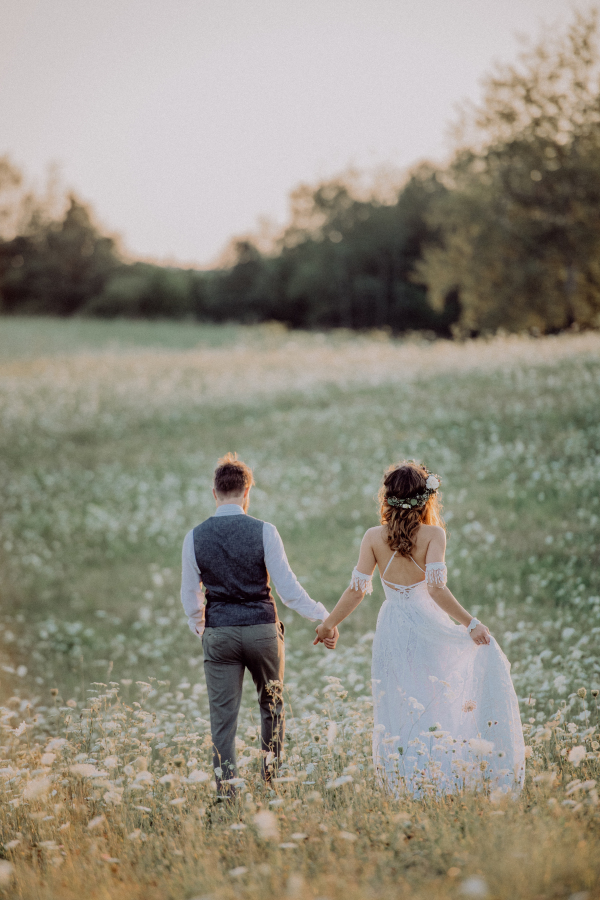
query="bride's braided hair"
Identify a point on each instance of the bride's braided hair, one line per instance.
(406, 480)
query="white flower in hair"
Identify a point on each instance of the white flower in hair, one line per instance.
(432, 483)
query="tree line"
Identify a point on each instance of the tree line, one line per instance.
(506, 236)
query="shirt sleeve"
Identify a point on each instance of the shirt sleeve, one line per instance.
(192, 598)
(286, 584)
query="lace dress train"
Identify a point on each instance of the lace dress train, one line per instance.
(446, 715)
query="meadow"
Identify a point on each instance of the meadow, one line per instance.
(109, 432)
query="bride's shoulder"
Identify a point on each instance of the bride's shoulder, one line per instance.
(432, 533)
(374, 534)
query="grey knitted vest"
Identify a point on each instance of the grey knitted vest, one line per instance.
(230, 555)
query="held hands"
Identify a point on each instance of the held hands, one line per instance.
(327, 636)
(480, 634)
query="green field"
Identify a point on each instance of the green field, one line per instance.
(109, 435)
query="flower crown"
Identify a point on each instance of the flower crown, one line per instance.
(431, 486)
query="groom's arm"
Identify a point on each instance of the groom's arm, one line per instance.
(286, 584)
(192, 598)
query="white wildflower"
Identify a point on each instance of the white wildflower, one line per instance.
(266, 824)
(37, 788)
(475, 886)
(7, 871)
(197, 776)
(339, 782)
(576, 755)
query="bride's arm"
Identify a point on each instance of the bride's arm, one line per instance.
(442, 595)
(352, 596)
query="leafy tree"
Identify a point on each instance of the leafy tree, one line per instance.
(142, 290)
(519, 221)
(345, 260)
(55, 266)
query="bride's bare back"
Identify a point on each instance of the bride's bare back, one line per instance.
(429, 546)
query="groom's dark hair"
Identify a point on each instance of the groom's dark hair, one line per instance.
(232, 476)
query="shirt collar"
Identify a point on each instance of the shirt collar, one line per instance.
(229, 509)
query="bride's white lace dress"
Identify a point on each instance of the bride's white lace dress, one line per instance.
(445, 711)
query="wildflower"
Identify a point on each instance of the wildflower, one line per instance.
(144, 778)
(576, 755)
(86, 770)
(469, 706)
(295, 887)
(595, 693)
(475, 886)
(288, 846)
(560, 684)
(168, 779)
(582, 693)
(6, 873)
(266, 824)
(197, 776)
(331, 734)
(37, 788)
(55, 744)
(347, 836)
(238, 871)
(96, 822)
(338, 782)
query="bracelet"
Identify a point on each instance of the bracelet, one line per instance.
(473, 624)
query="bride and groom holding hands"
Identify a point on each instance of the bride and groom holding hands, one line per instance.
(445, 710)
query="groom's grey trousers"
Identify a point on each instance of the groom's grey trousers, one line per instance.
(228, 650)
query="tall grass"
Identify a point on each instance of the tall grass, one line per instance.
(107, 449)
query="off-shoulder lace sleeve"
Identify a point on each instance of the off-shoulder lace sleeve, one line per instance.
(436, 574)
(360, 582)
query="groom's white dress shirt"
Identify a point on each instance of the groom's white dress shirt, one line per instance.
(286, 584)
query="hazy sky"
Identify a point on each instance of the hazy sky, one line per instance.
(183, 121)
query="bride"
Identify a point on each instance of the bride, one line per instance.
(445, 711)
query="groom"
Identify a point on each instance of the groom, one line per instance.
(232, 555)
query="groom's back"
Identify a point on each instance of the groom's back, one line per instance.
(229, 553)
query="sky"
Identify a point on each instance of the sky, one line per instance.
(183, 122)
